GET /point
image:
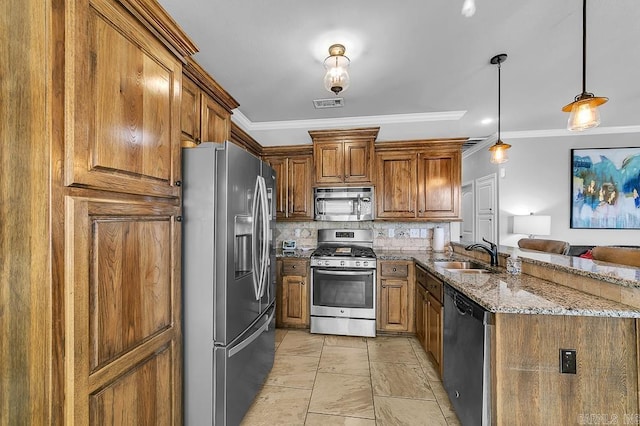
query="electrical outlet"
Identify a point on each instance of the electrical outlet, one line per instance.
(423, 233)
(392, 232)
(414, 233)
(568, 362)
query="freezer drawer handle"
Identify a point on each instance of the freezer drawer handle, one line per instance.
(254, 335)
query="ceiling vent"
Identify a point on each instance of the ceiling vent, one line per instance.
(328, 103)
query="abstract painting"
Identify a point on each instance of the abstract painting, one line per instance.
(605, 188)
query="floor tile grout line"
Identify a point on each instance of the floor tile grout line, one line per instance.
(315, 378)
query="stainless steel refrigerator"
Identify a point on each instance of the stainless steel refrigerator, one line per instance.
(228, 279)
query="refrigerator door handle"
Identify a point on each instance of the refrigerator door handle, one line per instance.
(265, 237)
(255, 260)
(246, 342)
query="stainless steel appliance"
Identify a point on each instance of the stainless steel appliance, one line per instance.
(228, 276)
(466, 375)
(343, 283)
(344, 204)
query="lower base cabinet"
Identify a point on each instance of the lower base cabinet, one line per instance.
(395, 296)
(429, 318)
(292, 304)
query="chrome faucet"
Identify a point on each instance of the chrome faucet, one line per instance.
(491, 248)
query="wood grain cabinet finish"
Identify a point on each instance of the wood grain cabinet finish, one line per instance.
(205, 109)
(126, 106)
(343, 157)
(429, 315)
(395, 296)
(294, 194)
(293, 293)
(90, 275)
(202, 119)
(123, 332)
(418, 180)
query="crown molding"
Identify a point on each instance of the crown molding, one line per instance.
(371, 120)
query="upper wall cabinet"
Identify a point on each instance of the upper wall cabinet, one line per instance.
(418, 180)
(205, 109)
(344, 156)
(293, 165)
(124, 105)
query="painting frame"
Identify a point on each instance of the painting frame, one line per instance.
(605, 187)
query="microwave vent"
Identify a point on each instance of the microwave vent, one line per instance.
(328, 103)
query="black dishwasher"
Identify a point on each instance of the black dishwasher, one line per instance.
(466, 357)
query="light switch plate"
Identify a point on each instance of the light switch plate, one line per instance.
(392, 232)
(423, 233)
(414, 233)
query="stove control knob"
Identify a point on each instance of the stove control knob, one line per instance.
(366, 263)
(326, 262)
(357, 263)
(342, 263)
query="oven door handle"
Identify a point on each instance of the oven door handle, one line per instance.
(350, 273)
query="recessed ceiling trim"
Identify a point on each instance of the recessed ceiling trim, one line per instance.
(247, 124)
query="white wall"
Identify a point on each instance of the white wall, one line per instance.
(537, 178)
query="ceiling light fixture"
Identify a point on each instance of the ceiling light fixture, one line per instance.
(336, 79)
(499, 149)
(584, 109)
(469, 8)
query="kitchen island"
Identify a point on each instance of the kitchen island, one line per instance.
(557, 303)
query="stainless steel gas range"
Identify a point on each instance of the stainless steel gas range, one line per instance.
(343, 283)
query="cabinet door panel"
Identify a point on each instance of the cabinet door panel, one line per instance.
(394, 301)
(190, 110)
(295, 301)
(123, 293)
(126, 131)
(358, 162)
(434, 330)
(280, 167)
(438, 185)
(329, 162)
(215, 121)
(300, 192)
(142, 396)
(396, 182)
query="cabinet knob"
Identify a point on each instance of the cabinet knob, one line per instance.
(178, 218)
(419, 211)
(198, 141)
(293, 266)
(178, 183)
(394, 270)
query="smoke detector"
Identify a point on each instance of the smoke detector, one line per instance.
(328, 103)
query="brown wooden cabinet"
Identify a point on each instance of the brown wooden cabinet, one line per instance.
(292, 293)
(429, 314)
(205, 108)
(418, 180)
(294, 195)
(343, 156)
(91, 244)
(395, 296)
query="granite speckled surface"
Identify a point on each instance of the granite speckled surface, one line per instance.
(500, 292)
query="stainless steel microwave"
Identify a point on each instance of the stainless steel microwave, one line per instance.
(344, 204)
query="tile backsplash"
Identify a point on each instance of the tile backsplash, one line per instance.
(410, 236)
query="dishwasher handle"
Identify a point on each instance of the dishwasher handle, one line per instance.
(462, 306)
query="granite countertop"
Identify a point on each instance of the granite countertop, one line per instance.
(500, 292)
(299, 253)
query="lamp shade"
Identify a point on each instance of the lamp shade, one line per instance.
(532, 225)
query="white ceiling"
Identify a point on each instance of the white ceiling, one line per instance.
(419, 69)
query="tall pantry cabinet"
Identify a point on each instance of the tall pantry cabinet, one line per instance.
(90, 204)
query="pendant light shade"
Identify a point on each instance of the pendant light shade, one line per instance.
(584, 109)
(336, 78)
(499, 149)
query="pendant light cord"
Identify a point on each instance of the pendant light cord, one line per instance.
(499, 101)
(584, 46)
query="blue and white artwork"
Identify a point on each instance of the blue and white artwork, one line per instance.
(605, 188)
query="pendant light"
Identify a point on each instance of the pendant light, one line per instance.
(584, 109)
(336, 78)
(499, 149)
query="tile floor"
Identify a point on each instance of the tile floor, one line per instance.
(339, 380)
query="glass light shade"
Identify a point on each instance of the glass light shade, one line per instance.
(337, 78)
(499, 152)
(469, 8)
(584, 112)
(532, 225)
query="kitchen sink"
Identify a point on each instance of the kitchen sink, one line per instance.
(462, 267)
